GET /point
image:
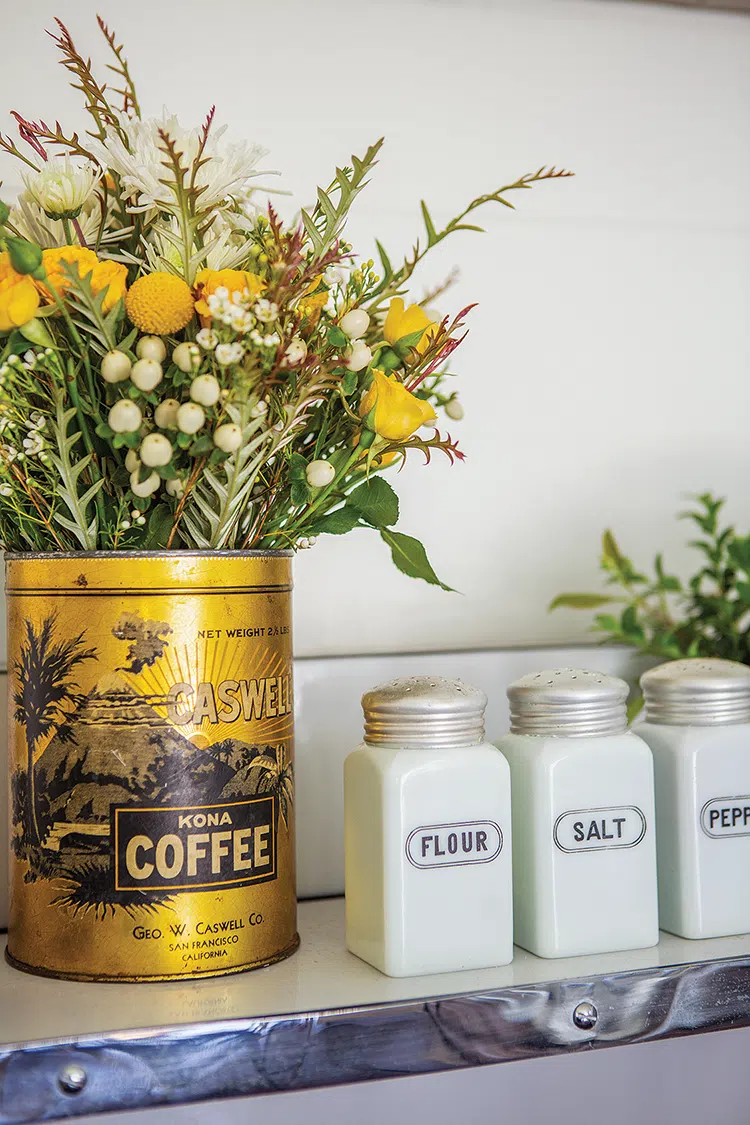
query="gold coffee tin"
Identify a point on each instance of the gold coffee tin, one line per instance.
(151, 759)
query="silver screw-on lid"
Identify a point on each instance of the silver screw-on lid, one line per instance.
(568, 702)
(424, 711)
(698, 692)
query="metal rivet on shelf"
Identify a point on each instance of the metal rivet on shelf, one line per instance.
(585, 1016)
(72, 1079)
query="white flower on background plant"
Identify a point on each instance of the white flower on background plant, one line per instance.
(142, 164)
(30, 221)
(62, 188)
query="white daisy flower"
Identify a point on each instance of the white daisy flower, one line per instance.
(142, 164)
(61, 188)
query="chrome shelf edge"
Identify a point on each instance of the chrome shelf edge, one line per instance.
(238, 1058)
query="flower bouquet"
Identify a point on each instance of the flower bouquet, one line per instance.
(191, 389)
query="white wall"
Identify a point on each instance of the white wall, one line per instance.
(606, 372)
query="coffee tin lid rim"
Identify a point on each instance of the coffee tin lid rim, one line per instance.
(28, 556)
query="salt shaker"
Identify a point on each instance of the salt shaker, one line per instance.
(583, 817)
(427, 833)
(697, 723)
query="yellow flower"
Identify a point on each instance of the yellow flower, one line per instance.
(235, 281)
(54, 261)
(159, 303)
(397, 413)
(19, 299)
(109, 276)
(402, 322)
(311, 303)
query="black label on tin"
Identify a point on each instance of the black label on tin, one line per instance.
(726, 816)
(589, 830)
(454, 845)
(193, 848)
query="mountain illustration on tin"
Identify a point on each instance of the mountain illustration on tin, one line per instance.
(110, 747)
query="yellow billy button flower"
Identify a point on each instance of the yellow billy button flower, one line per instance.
(391, 411)
(19, 299)
(401, 322)
(159, 303)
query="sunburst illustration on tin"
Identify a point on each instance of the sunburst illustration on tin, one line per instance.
(168, 727)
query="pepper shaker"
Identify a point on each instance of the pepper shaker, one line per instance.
(427, 833)
(583, 817)
(697, 723)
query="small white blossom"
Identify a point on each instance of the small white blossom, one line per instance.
(141, 520)
(241, 320)
(259, 410)
(272, 340)
(207, 339)
(125, 525)
(61, 188)
(266, 311)
(33, 444)
(6, 490)
(229, 353)
(296, 351)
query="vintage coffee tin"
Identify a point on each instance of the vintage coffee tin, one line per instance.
(151, 759)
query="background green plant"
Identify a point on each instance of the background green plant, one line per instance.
(664, 616)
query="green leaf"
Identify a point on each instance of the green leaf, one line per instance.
(300, 493)
(607, 623)
(580, 601)
(159, 527)
(340, 522)
(375, 502)
(202, 444)
(411, 558)
(432, 237)
(743, 589)
(337, 338)
(297, 466)
(385, 262)
(388, 360)
(104, 431)
(404, 345)
(184, 440)
(349, 383)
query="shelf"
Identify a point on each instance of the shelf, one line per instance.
(324, 1017)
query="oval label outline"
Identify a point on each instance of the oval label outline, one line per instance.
(723, 835)
(454, 862)
(592, 812)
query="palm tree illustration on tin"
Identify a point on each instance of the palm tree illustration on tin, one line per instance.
(276, 779)
(44, 688)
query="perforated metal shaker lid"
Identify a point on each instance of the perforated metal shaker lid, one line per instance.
(568, 702)
(697, 692)
(424, 711)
